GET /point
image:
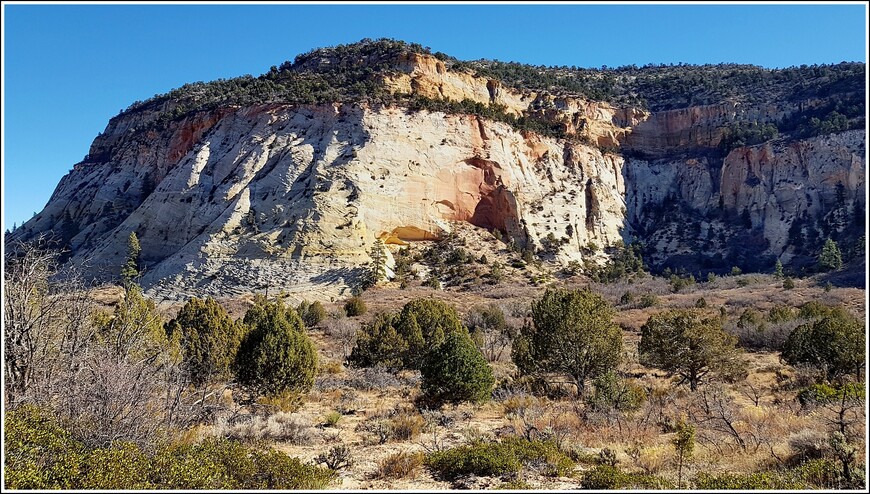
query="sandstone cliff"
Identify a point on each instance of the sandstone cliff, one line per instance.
(233, 198)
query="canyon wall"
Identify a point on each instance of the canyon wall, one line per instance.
(292, 197)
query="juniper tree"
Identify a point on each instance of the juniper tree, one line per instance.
(209, 339)
(688, 344)
(402, 340)
(571, 332)
(456, 371)
(835, 343)
(276, 355)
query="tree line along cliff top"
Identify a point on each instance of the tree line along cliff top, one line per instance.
(348, 73)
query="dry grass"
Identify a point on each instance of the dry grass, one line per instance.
(279, 427)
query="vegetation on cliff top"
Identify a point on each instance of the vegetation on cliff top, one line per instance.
(349, 73)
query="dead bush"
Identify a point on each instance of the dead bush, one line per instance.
(288, 401)
(330, 367)
(768, 336)
(338, 457)
(279, 427)
(516, 404)
(406, 426)
(365, 379)
(348, 403)
(375, 430)
(808, 444)
(399, 466)
(343, 330)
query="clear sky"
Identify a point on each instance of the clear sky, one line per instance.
(67, 69)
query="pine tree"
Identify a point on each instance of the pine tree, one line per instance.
(830, 258)
(378, 265)
(777, 269)
(130, 270)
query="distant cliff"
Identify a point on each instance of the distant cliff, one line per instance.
(287, 179)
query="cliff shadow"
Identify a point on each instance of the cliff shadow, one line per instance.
(351, 276)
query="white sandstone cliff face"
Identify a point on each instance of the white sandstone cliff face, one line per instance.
(775, 182)
(291, 197)
(287, 196)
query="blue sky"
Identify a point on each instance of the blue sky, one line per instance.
(69, 68)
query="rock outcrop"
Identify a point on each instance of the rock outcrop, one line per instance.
(780, 190)
(280, 196)
(307, 189)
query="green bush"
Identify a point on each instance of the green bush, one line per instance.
(41, 455)
(648, 300)
(514, 485)
(222, 464)
(819, 394)
(816, 310)
(432, 281)
(625, 262)
(209, 339)
(835, 344)
(456, 371)
(355, 306)
(613, 393)
(750, 481)
(490, 459)
(751, 318)
(402, 340)
(311, 313)
(482, 459)
(276, 355)
(122, 466)
(496, 272)
(486, 318)
(746, 134)
(823, 473)
(606, 477)
(781, 313)
(679, 282)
